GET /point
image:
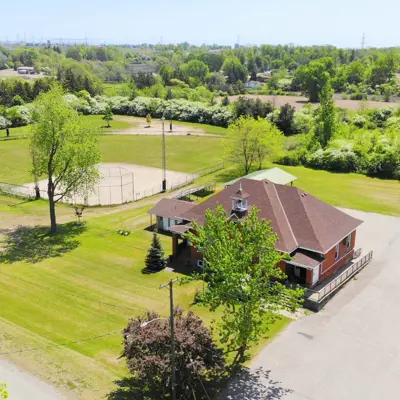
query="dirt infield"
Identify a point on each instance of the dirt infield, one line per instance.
(121, 183)
(141, 127)
(299, 101)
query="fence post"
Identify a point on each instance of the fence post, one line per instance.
(122, 193)
(133, 187)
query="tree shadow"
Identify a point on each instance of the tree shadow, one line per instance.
(226, 175)
(34, 244)
(253, 385)
(130, 389)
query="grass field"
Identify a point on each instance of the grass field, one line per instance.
(184, 153)
(87, 284)
(97, 122)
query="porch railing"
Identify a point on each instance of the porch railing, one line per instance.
(318, 296)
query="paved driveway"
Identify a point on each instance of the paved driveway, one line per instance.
(350, 350)
(23, 386)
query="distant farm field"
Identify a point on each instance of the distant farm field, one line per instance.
(299, 101)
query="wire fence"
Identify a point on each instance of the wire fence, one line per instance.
(117, 186)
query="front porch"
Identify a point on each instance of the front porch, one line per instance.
(315, 298)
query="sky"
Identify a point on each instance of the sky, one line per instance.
(307, 22)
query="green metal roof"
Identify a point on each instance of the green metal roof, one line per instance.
(274, 175)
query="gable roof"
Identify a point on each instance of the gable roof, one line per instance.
(299, 219)
(274, 175)
(171, 208)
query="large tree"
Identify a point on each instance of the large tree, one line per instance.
(147, 349)
(313, 76)
(241, 269)
(234, 70)
(65, 149)
(326, 122)
(252, 141)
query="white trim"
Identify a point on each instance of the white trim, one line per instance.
(336, 261)
(337, 251)
(351, 233)
(319, 252)
(300, 265)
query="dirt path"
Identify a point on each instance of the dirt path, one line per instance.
(141, 127)
(299, 102)
(65, 213)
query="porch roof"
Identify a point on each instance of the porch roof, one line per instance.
(306, 258)
(179, 228)
(171, 208)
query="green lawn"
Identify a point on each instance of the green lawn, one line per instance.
(97, 122)
(69, 297)
(15, 161)
(19, 132)
(216, 130)
(98, 264)
(355, 191)
(184, 153)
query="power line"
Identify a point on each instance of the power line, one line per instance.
(61, 344)
(71, 294)
(198, 376)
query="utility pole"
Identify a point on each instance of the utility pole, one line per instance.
(171, 304)
(164, 162)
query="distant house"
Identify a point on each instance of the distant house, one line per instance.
(252, 84)
(26, 70)
(264, 76)
(319, 238)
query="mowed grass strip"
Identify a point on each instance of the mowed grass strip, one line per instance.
(354, 191)
(90, 291)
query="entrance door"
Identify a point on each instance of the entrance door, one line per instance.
(315, 275)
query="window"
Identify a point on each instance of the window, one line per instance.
(348, 241)
(337, 252)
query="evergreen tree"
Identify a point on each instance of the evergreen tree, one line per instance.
(326, 121)
(155, 258)
(225, 101)
(285, 120)
(169, 94)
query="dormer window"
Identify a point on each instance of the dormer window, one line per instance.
(239, 205)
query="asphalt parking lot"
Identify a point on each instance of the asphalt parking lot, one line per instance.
(350, 350)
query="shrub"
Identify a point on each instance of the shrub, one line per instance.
(341, 160)
(19, 116)
(177, 109)
(359, 121)
(381, 115)
(4, 123)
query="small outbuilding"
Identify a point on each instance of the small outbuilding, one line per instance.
(274, 175)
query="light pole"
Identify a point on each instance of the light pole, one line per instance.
(164, 162)
(170, 284)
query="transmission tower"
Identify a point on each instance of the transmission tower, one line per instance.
(363, 41)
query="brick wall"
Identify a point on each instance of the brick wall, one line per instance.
(330, 265)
